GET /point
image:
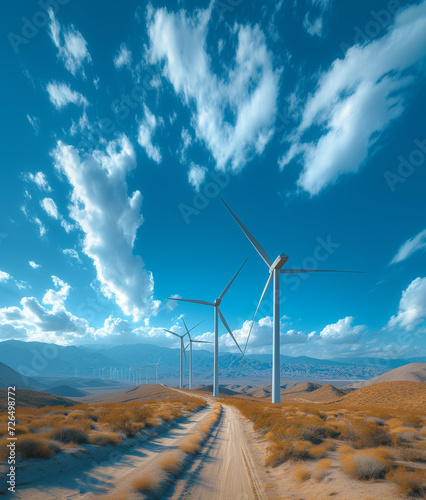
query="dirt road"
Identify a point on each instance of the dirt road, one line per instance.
(223, 470)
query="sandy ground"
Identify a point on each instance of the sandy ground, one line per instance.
(112, 475)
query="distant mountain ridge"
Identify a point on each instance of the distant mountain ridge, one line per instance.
(37, 359)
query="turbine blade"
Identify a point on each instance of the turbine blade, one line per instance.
(185, 325)
(193, 301)
(296, 271)
(229, 330)
(230, 283)
(190, 330)
(173, 333)
(184, 351)
(260, 250)
(202, 341)
(255, 314)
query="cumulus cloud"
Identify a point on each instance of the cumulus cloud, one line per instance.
(196, 175)
(247, 92)
(356, 100)
(4, 276)
(412, 306)
(109, 219)
(49, 206)
(60, 95)
(411, 246)
(72, 47)
(33, 264)
(123, 58)
(39, 180)
(145, 132)
(342, 332)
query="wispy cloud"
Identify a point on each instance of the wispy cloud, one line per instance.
(35, 123)
(123, 58)
(72, 47)
(60, 95)
(33, 264)
(248, 91)
(49, 206)
(410, 247)
(39, 180)
(356, 100)
(196, 175)
(146, 130)
(72, 254)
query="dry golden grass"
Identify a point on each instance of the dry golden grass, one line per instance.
(147, 483)
(322, 469)
(301, 473)
(69, 435)
(192, 444)
(321, 450)
(31, 446)
(409, 483)
(105, 438)
(172, 462)
(367, 464)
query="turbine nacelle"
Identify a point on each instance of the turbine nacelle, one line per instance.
(278, 262)
(217, 302)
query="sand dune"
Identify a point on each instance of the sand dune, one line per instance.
(414, 372)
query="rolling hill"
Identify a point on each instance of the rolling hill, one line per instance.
(9, 377)
(26, 398)
(66, 391)
(413, 372)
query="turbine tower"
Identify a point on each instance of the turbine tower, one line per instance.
(147, 365)
(217, 314)
(182, 352)
(190, 350)
(157, 366)
(274, 273)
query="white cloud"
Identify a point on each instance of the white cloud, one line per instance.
(145, 132)
(41, 227)
(123, 57)
(313, 20)
(411, 246)
(196, 175)
(4, 276)
(342, 332)
(357, 99)
(60, 95)
(248, 91)
(186, 142)
(57, 298)
(109, 218)
(33, 264)
(314, 28)
(72, 254)
(49, 206)
(412, 306)
(35, 123)
(40, 180)
(72, 47)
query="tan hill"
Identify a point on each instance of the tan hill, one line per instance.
(66, 391)
(26, 398)
(9, 377)
(324, 394)
(408, 395)
(139, 393)
(222, 390)
(305, 387)
(414, 372)
(260, 393)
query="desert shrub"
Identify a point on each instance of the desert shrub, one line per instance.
(147, 483)
(105, 438)
(172, 461)
(301, 473)
(319, 450)
(191, 444)
(301, 449)
(18, 429)
(344, 448)
(416, 454)
(408, 482)
(31, 446)
(278, 452)
(364, 434)
(321, 469)
(367, 464)
(69, 435)
(404, 434)
(269, 436)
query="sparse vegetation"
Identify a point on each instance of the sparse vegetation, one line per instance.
(105, 438)
(322, 469)
(31, 446)
(409, 482)
(67, 435)
(367, 464)
(172, 461)
(146, 483)
(301, 472)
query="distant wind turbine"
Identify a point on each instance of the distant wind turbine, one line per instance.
(217, 313)
(190, 349)
(147, 365)
(182, 353)
(274, 272)
(157, 366)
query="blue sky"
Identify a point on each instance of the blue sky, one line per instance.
(122, 126)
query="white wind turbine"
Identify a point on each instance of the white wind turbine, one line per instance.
(157, 366)
(217, 313)
(190, 350)
(147, 365)
(182, 353)
(274, 272)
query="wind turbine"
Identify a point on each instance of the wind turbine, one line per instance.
(190, 350)
(274, 273)
(157, 366)
(182, 351)
(217, 313)
(147, 365)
